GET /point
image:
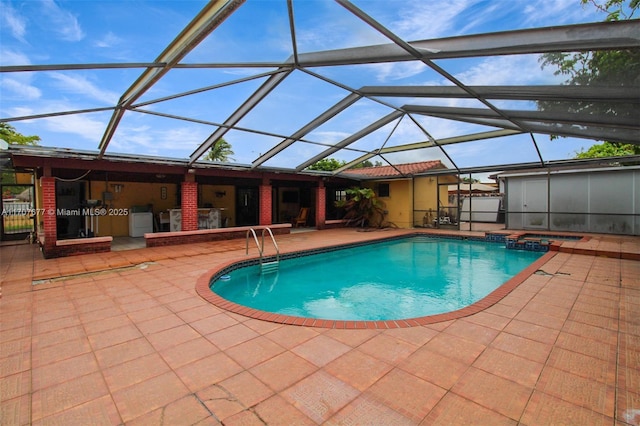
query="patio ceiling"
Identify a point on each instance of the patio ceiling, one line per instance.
(406, 114)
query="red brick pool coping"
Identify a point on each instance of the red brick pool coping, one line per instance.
(204, 291)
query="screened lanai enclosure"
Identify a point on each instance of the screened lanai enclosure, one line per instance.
(363, 82)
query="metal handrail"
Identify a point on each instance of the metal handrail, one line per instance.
(273, 239)
(255, 238)
(261, 246)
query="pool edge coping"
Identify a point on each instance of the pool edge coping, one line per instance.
(204, 291)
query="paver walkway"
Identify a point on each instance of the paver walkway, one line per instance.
(123, 338)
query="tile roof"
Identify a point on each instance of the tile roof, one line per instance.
(406, 169)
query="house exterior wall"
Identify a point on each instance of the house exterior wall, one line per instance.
(221, 197)
(600, 201)
(399, 203)
(132, 194)
(409, 200)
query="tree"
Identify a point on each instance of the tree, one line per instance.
(327, 164)
(367, 163)
(470, 180)
(363, 208)
(9, 134)
(220, 151)
(609, 149)
(331, 164)
(599, 68)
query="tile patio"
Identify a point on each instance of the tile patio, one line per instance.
(123, 338)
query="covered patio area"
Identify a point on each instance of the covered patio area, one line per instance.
(123, 338)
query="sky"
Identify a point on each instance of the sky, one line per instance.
(43, 32)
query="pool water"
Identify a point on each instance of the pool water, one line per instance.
(398, 279)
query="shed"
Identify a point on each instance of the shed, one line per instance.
(599, 200)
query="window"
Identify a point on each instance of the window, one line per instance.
(340, 195)
(383, 190)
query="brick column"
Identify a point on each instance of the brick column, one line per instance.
(321, 205)
(265, 204)
(189, 205)
(48, 186)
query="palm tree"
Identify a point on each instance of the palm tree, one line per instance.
(220, 151)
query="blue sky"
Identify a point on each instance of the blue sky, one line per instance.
(72, 32)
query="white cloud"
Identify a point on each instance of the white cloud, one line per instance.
(80, 85)
(62, 22)
(396, 71)
(82, 125)
(10, 19)
(22, 89)
(424, 20)
(166, 141)
(9, 57)
(507, 70)
(540, 12)
(109, 40)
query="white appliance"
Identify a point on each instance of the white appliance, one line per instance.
(140, 223)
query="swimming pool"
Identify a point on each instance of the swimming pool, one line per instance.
(397, 279)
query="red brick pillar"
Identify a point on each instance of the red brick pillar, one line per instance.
(189, 204)
(48, 186)
(266, 204)
(321, 205)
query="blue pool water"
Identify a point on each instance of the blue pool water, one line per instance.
(398, 279)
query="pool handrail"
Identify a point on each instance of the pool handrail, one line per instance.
(261, 246)
(255, 238)
(273, 239)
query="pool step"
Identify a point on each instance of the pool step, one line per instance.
(270, 267)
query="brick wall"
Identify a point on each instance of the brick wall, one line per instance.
(85, 247)
(48, 186)
(160, 239)
(265, 205)
(321, 207)
(189, 206)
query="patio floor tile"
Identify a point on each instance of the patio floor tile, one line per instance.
(358, 369)
(546, 409)
(283, 370)
(149, 395)
(138, 346)
(456, 410)
(320, 350)
(438, 369)
(188, 410)
(577, 390)
(187, 352)
(407, 394)
(208, 371)
(276, 410)
(387, 348)
(246, 389)
(320, 395)
(366, 410)
(496, 393)
(67, 394)
(134, 371)
(509, 366)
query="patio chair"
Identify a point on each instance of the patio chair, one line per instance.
(302, 217)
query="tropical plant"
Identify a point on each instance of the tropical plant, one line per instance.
(220, 151)
(363, 208)
(9, 134)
